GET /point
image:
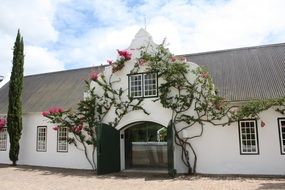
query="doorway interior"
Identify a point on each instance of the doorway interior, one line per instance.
(146, 146)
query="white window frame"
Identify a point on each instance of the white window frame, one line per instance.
(248, 136)
(3, 139)
(282, 140)
(143, 85)
(41, 139)
(131, 78)
(62, 145)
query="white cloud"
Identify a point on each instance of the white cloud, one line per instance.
(33, 17)
(40, 60)
(98, 45)
(238, 23)
(189, 27)
(35, 20)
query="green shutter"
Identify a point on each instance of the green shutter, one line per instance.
(170, 150)
(108, 149)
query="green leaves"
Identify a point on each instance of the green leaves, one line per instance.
(14, 116)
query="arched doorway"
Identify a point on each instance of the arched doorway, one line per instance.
(146, 146)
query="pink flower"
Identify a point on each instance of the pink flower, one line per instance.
(110, 62)
(53, 110)
(3, 123)
(45, 113)
(94, 76)
(262, 124)
(205, 74)
(125, 54)
(142, 61)
(55, 128)
(181, 58)
(78, 128)
(173, 59)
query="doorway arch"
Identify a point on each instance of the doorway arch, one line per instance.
(145, 146)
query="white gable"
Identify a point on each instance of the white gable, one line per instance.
(142, 38)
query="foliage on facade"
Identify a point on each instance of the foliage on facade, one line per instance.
(14, 116)
(92, 111)
(186, 90)
(3, 123)
(194, 101)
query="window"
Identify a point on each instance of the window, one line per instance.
(143, 85)
(281, 124)
(150, 84)
(62, 136)
(248, 137)
(42, 139)
(136, 85)
(3, 139)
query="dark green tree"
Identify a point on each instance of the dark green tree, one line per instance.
(14, 118)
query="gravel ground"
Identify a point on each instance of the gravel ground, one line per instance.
(41, 178)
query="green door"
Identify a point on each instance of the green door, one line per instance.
(108, 149)
(170, 150)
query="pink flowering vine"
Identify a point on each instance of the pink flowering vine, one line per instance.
(3, 123)
(52, 110)
(56, 128)
(178, 58)
(205, 75)
(55, 110)
(45, 113)
(142, 61)
(262, 124)
(110, 62)
(125, 54)
(78, 128)
(120, 63)
(94, 76)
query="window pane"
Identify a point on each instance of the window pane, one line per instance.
(3, 139)
(150, 84)
(135, 85)
(41, 139)
(62, 138)
(248, 137)
(282, 135)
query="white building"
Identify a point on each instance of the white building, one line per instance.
(239, 75)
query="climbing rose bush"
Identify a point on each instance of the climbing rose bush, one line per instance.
(94, 76)
(53, 110)
(124, 56)
(3, 123)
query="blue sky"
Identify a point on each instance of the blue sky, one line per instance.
(68, 34)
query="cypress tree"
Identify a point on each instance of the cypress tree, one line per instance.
(14, 118)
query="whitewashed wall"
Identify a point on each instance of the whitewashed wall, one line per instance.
(218, 149)
(74, 158)
(219, 152)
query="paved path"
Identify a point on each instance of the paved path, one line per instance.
(39, 178)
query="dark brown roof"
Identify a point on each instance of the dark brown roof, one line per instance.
(246, 73)
(64, 89)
